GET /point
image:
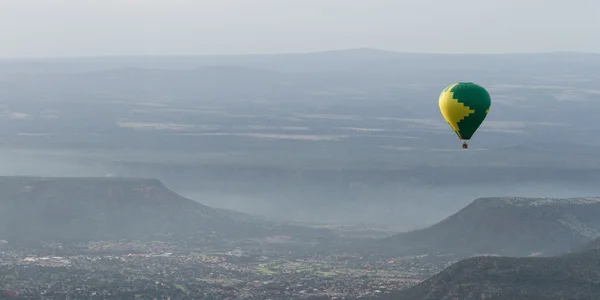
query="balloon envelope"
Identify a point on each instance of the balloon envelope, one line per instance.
(465, 105)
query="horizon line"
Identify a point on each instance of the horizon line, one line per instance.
(109, 56)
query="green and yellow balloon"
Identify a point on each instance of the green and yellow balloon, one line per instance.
(465, 105)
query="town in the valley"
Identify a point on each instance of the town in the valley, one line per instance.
(180, 268)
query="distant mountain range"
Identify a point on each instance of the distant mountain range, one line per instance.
(310, 61)
(504, 226)
(72, 209)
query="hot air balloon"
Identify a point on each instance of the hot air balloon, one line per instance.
(465, 105)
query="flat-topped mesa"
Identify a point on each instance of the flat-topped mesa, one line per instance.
(41, 208)
(521, 201)
(505, 226)
(71, 209)
(62, 190)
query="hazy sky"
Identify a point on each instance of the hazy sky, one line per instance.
(107, 27)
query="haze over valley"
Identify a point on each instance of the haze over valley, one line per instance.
(338, 137)
(297, 176)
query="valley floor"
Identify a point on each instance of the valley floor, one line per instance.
(188, 269)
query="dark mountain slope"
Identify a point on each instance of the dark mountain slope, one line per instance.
(572, 277)
(506, 226)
